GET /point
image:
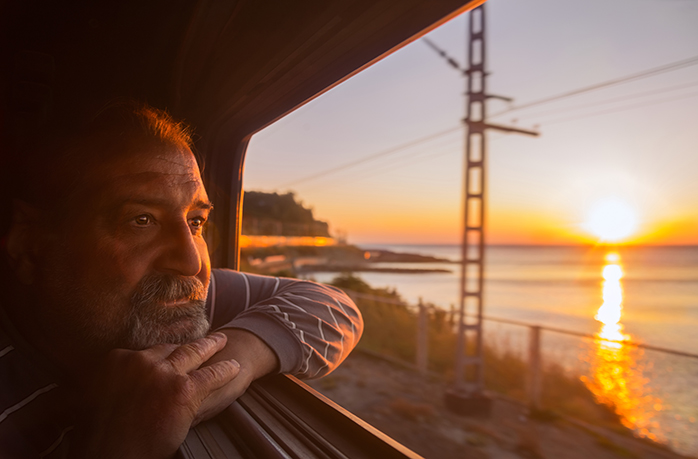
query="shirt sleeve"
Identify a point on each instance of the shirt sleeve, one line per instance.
(310, 327)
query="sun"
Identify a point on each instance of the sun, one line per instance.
(612, 220)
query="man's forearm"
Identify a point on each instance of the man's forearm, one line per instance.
(310, 327)
(254, 356)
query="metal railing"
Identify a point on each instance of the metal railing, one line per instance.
(535, 359)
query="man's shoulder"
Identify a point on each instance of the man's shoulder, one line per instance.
(34, 410)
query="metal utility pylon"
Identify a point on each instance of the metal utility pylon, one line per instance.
(466, 396)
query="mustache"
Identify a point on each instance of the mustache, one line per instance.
(151, 316)
(166, 288)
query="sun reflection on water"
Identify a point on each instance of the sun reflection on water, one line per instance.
(616, 377)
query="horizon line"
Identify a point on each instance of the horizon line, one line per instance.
(525, 244)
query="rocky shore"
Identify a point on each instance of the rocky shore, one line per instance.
(348, 258)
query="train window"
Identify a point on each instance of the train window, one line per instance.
(380, 158)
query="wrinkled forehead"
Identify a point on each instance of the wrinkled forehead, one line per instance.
(149, 158)
(143, 168)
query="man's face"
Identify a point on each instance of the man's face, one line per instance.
(131, 267)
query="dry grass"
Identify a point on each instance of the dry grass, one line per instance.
(412, 411)
(528, 443)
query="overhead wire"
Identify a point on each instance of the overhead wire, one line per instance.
(372, 157)
(619, 109)
(451, 61)
(649, 72)
(393, 166)
(374, 171)
(613, 100)
(380, 168)
(677, 65)
(415, 159)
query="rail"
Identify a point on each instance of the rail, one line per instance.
(589, 336)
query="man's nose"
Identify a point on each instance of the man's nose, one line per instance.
(180, 253)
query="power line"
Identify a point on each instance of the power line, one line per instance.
(603, 112)
(635, 76)
(564, 120)
(620, 109)
(653, 71)
(451, 61)
(614, 99)
(392, 165)
(415, 157)
(372, 157)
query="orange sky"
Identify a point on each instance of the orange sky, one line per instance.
(505, 226)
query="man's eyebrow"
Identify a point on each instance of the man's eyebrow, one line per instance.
(155, 202)
(205, 205)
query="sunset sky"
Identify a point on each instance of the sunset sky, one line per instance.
(627, 152)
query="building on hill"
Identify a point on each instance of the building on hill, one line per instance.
(273, 214)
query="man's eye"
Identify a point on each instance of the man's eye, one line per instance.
(198, 222)
(142, 220)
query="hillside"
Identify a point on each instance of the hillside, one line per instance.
(273, 214)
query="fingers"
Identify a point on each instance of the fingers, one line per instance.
(143, 403)
(188, 357)
(220, 398)
(210, 379)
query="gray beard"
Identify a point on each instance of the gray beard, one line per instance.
(151, 321)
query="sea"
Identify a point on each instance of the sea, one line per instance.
(643, 294)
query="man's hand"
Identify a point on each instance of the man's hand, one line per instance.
(256, 359)
(143, 403)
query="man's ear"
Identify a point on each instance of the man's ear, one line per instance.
(22, 240)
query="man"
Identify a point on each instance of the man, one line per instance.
(109, 299)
